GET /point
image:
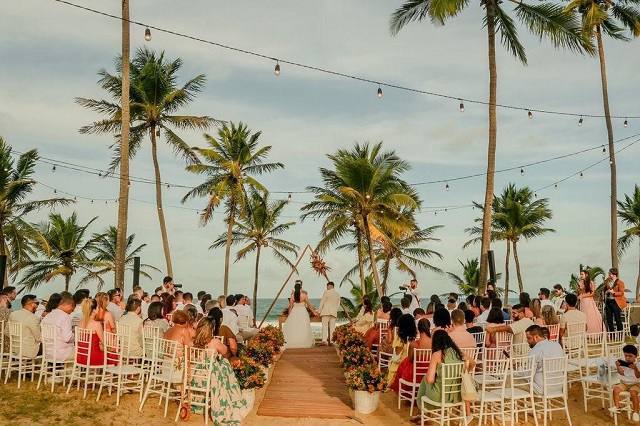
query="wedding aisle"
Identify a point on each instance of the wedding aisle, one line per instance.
(307, 383)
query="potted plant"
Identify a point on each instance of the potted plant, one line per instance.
(250, 377)
(366, 381)
(261, 352)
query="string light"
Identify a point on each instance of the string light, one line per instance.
(289, 198)
(604, 150)
(461, 106)
(379, 91)
(581, 175)
(53, 169)
(555, 185)
(521, 172)
(626, 122)
(446, 187)
(147, 34)
(580, 121)
(276, 71)
(530, 114)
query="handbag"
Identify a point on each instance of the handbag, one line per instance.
(468, 388)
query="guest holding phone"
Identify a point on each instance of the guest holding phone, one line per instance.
(629, 371)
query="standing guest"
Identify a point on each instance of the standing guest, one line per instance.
(485, 307)
(60, 318)
(558, 300)
(188, 301)
(615, 301)
(518, 327)
(469, 319)
(156, 317)
(30, 326)
(133, 319)
(328, 310)
(536, 310)
(405, 368)
(541, 349)
(414, 293)
(103, 315)
(406, 333)
(229, 339)
(588, 305)
(167, 285)
(544, 295)
(365, 321)
(114, 303)
(458, 333)
(571, 315)
(5, 312)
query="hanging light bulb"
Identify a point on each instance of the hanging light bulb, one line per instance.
(168, 186)
(535, 194)
(447, 187)
(461, 106)
(521, 172)
(53, 169)
(91, 201)
(530, 114)
(379, 91)
(580, 122)
(555, 185)
(55, 191)
(75, 198)
(276, 71)
(289, 198)
(604, 150)
(147, 34)
(128, 184)
(99, 174)
(626, 122)
(581, 175)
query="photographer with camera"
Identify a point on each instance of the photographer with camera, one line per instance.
(412, 288)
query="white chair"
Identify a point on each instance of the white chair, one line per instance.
(519, 390)
(554, 393)
(197, 379)
(380, 324)
(50, 368)
(129, 344)
(451, 389)
(554, 332)
(492, 389)
(408, 391)
(84, 371)
(574, 328)
(471, 353)
(594, 383)
(19, 362)
(221, 338)
(4, 351)
(480, 336)
(384, 357)
(572, 346)
(519, 349)
(117, 373)
(166, 373)
(504, 340)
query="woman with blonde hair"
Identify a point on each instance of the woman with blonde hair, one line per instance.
(89, 322)
(103, 315)
(550, 318)
(536, 310)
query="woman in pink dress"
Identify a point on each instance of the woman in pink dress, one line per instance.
(588, 305)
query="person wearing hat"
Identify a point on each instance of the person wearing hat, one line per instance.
(42, 306)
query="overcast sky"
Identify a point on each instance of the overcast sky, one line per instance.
(52, 52)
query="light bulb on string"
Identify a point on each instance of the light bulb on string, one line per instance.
(530, 115)
(53, 169)
(555, 185)
(580, 121)
(55, 191)
(521, 172)
(604, 150)
(379, 91)
(535, 194)
(168, 186)
(446, 187)
(91, 201)
(147, 34)
(461, 106)
(289, 198)
(276, 71)
(626, 122)
(581, 175)
(435, 213)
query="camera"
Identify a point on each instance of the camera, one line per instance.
(403, 288)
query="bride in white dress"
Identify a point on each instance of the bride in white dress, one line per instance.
(297, 327)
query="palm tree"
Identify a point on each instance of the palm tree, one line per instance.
(542, 19)
(19, 240)
(469, 283)
(612, 18)
(105, 249)
(260, 229)
(593, 271)
(352, 307)
(629, 212)
(516, 215)
(406, 251)
(365, 193)
(155, 98)
(69, 251)
(233, 158)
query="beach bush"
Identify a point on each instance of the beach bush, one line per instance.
(248, 372)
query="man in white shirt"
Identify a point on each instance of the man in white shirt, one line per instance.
(188, 301)
(413, 289)
(245, 318)
(542, 349)
(558, 299)
(179, 300)
(78, 297)
(230, 317)
(133, 319)
(167, 285)
(30, 326)
(518, 327)
(485, 307)
(571, 315)
(60, 318)
(544, 294)
(114, 303)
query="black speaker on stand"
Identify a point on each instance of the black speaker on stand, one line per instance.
(492, 266)
(136, 271)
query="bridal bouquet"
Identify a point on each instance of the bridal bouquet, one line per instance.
(248, 372)
(261, 352)
(366, 377)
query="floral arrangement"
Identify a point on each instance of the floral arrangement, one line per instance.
(271, 334)
(355, 356)
(248, 372)
(345, 337)
(366, 377)
(260, 351)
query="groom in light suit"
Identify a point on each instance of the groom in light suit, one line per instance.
(328, 310)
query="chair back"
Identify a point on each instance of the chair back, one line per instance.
(199, 367)
(149, 336)
(471, 353)
(572, 346)
(519, 349)
(124, 331)
(554, 332)
(421, 361)
(15, 338)
(112, 349)
(494, 374)
(578, 328)
(383, 326)
(3, 351)
(48, 333)
(554, 377)
(451, 382)
(525, 367)
(243, 322)
(613, 339)
(480, 336)
(508, 322)
(83, 345)
(221, 338)
(494, 353)
(503, 340)
(594, 345)
(164, 358)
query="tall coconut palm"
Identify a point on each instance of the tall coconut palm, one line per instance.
(231, 161)
(259, 228)
(406, 251)
(105, 249)
(629, 212)
(364, 192)
(155, 100)
(70, 250)
(612, 18)
(19, 240)
(516, 215)
(541, 19)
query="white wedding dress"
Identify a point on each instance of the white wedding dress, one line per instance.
(297, 328)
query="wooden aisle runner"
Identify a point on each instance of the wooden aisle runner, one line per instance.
(307, 383)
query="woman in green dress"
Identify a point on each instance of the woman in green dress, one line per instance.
(444, 352)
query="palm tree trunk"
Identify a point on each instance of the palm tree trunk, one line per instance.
(227, 253)
(385, 273)
(67, 280)
(517, 260)
(372, 258)
(255, 282)
(506, 273)
(4, 251)
(123, 197)
(360, 258)
(491, 154)
(163, 226)
(612, 154)
(638, 280)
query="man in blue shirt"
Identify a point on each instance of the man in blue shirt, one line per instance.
(542, 349)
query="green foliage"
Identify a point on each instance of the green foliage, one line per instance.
(353, 304)
(469, 282)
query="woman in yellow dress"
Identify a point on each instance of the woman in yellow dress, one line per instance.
(364, 322)
(406, 334)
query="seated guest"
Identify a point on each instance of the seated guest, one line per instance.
(629, 381)
(441, 319)
(571, 315)
(381, 313)
(405, 369)
(372, 336)
(30, 326)
(495, 318)
(542, 349)
(246, 322)
(114, 303)
(5, 312)
(155, 298)
(536, 310)
(418, 314)
(400, 347)
(385, 344)
(181, 331)
(204, 339)
(90, 322)
(103, 315)
(188, 301)
(78, 298)
(497, 303)
(156, 317)
(485, 306)
(170, 304)
(364, 323)
(60, 318)
(230, 317)
(132, 318)
(210, 305)
(405, 305)
(229, 339)
(42, 306)
(52, 303)
(194, 317)
(518, 327)
(451, 304)
(458, 333)
(469, 318)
